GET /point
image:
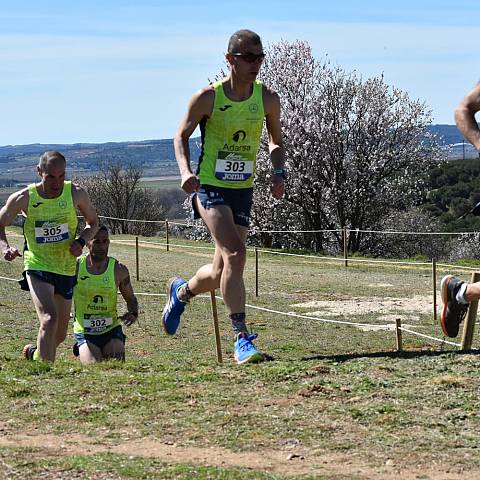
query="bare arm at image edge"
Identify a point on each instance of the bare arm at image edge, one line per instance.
(275, 141)
(16, 203)
(465, 117)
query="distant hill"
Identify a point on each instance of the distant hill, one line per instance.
(450, 137)
(448, 134)
(156, 156)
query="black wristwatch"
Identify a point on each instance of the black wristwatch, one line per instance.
(281, 172)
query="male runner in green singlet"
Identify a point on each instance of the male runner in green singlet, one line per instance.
(456, 294)
(231, 114)
(50, 249)
(97, 329)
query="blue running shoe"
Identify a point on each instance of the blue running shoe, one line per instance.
(244, 349)
(174, 307)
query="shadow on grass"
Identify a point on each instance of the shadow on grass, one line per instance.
(345, 357)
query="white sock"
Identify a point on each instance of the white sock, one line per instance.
(460, 297)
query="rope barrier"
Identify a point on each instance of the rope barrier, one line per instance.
(348, 230)
(10, 279)
(253, 232)
(350, 259)
(393, 232)
(290, 314)
(457, 267)
(315, 257)
(431, 338)
(389, 262)
(296, 315)
(131, 242)
(128, 219)
(190, 225)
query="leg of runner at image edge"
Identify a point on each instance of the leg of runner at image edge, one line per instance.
(455, 305)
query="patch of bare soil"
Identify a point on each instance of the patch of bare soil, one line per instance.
(407, 309)
(293, 459)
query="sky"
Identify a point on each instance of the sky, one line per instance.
(116, 70)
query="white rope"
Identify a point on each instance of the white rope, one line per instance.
(10, 279)
(300, 255)
(348, 230)
(342, 259)
(353, 324)
(190, 246)
(458, 267)
(316, 257)
(253, 232)
(289, 314)
(132, 243)
(393, 232)
(389, 262)
(431, 338)
(191, 225)
(128, 219)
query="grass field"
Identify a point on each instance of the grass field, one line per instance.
(334, 401)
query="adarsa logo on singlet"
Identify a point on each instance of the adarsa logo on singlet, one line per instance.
(97, 308)
(237, 148)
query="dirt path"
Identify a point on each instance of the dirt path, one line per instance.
(158, 246)
(295, 461)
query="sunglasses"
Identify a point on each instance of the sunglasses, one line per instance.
(250, 57)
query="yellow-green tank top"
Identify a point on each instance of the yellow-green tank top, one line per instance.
(49, 230)
(95, 299)
(231, 139)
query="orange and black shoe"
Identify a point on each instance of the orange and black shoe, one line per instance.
(29, 350)
(453, 311)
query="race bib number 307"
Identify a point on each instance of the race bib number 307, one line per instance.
(233, 167)
(50, 232)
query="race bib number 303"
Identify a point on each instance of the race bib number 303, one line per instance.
(50, 232)
(233, 167)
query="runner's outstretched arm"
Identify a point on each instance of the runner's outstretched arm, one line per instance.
(465, 117)
(82, 202)
(16, 203)
(200, 106)
(275, 141)
(126, 289)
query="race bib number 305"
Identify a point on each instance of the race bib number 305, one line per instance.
(233, 167)
(50, 232)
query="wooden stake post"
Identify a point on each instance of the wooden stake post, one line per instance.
(345, 246)
(136, 259)
(434, 282)
(166, 235)
(398, 331)
(256, 271)
(215, 327)
(467, 336)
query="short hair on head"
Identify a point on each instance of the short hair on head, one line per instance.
(51, 155)
(240, 37)
(102, 227)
